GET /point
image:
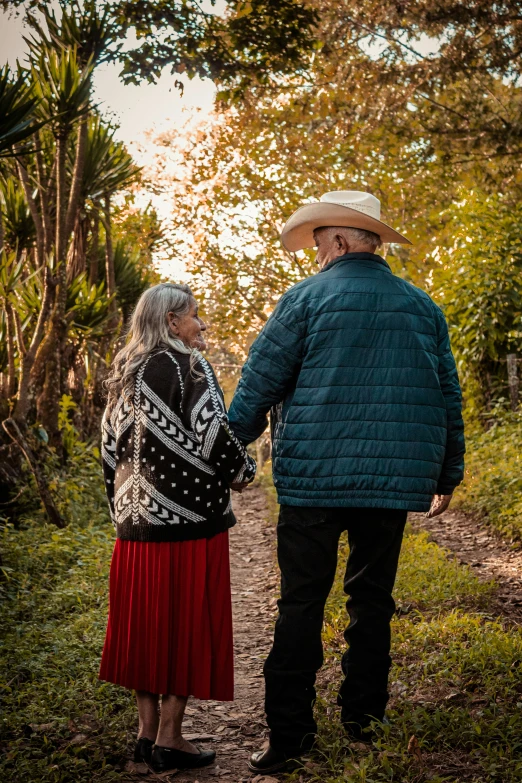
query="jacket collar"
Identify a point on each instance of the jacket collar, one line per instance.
(356, 257)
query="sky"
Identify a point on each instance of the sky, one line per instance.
(142, 112)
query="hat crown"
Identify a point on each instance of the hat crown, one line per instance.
(355, 199)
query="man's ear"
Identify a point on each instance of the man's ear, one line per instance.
(341, 242)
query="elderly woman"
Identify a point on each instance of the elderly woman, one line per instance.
(170, 459)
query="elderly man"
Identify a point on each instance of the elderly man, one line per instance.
(357, 366)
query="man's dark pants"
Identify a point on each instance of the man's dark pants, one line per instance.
(307, 544)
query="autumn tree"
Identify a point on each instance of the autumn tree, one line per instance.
(370, 111)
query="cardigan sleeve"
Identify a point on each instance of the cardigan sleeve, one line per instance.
(108, 453)
(452, 471)
(203, 402)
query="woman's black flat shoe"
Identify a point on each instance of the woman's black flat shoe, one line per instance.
(164, 759)
(143, 751)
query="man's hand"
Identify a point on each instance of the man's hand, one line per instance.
(439, 504)
(239, 487)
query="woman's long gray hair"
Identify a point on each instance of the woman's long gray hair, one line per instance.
(148, 330)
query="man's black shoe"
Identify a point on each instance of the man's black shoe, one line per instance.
(271, 761)
(361, 732)
(143, 750)
(165, 759)
(357, 733)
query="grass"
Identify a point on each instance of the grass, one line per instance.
(456, 681)
(58, 721)
(493, 485)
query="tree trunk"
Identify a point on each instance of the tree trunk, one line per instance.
(43, 188)
(77, 178)
(61, 204)
(14, 432)
(76, 256)
(29, 361)
(109, 263)
(48, 402)
(37, 219)
(95, 243)
(11, 371)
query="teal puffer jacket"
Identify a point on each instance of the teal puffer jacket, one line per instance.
(358, 365)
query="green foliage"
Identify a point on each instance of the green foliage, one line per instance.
(251, 42)
(62, 86)
(108, 166)
(17, 110)
(60, 722)
(87, 308)
(77, 486)
(19, 233)
(493, 484)
(132, 277)
(83, 26)
(479, 283)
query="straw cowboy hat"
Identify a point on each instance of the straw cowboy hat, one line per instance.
(350, 208)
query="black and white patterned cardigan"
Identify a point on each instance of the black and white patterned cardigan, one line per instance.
(169, 455)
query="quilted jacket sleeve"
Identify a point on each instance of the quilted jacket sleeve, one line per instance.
(452, 471)
(272, 363)
(202, 399)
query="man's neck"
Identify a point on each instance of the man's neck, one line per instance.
(356, 249)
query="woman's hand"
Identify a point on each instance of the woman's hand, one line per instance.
(239, 487)
(439, 504)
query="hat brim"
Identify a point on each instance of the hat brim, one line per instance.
(298, 231)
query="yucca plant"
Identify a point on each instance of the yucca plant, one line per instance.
(18, 226)
(87, 309)
(108, 168)
(18, 104)
(131, 277)
(84, 26)
(64, 90)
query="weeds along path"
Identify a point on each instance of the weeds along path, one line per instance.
(481, 548)
(235, 729)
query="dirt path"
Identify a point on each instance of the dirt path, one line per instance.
(235, 729)
(478, 546)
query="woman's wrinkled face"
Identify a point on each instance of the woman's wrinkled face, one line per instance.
(189, 328)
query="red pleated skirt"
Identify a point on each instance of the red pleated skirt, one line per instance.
(170, 618)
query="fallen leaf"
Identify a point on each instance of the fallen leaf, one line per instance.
(41, 726)
(452, 695)
(78, 739)
(414, 747)
(136, 769)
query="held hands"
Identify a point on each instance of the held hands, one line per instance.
(239, 487)
(439, 504)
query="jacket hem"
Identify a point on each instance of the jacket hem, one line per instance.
(355, 501)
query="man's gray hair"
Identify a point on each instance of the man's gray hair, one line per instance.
(353, 235)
